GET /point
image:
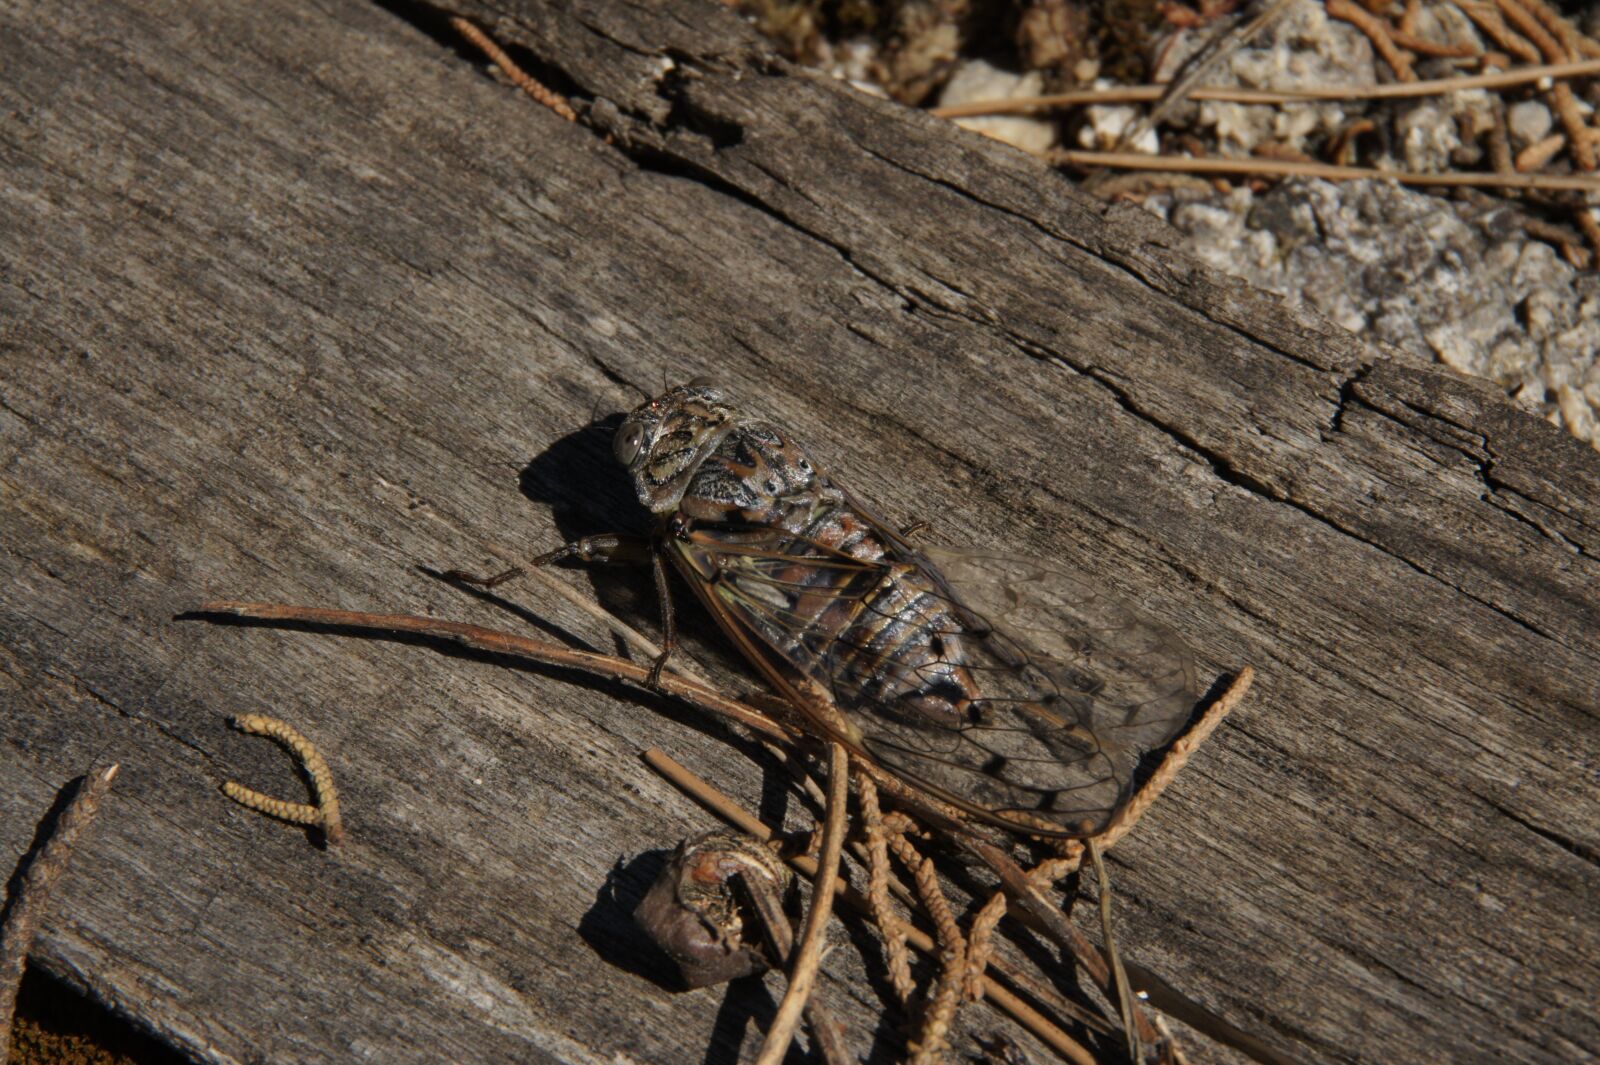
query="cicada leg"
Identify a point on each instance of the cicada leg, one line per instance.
(478, 581)
(606, 548)
(669, 622)
(915, 528)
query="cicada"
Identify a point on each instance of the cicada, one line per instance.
(1005, 687)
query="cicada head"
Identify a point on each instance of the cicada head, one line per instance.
(664, 441)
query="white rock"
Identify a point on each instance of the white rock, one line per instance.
(1303, 48)
(976, 81)
(1428, 132)
(1104, 125)
(852, 61)
(1528, 122)
(1577, 414)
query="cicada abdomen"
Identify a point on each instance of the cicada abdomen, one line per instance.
(1004, 686)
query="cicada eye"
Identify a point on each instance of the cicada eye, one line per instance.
(630, 439)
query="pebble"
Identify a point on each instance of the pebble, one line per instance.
(977, 80)
(1528, 122)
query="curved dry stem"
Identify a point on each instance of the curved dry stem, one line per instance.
(702, 696)
(1044, 916)
(326, 810)
(888, 922)
(808, 958)
(980, 943)
(1118, 974)
(296, 813)
(947, 992)
(519, 77)
(1176, 758)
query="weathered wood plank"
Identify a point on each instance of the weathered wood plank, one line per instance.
(291, 294)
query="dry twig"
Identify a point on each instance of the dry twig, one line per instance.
(519, 77)
(808, 959)
(1132, 94)
(889, 923)
(1406, 36)
(1562, 100)
(1568, 240)
(1494, 27)
(1590, 227)
(1422, 46)
(1523, 19)
(493, 641)
(1118, 974)
(1575, 42)
(541, 574)
(947, 991)
(1377, 32)
(1036, 910)
(631, 636)
(994, 993)
(1282, 168)
(828, 1032)
(1408, 18)
(1344, 144)
(1176, 757)
(980, 943)
(32, 899)
(1499, 141)
(1537, 154)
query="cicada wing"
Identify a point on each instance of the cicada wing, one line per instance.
(1130, 678)
(785, 598)
(1002, 686)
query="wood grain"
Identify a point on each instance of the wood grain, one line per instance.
(294, 298)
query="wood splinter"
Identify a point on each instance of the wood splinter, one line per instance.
(324, 813)
(31, 898)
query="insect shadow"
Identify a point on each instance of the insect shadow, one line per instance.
(609, 929)
(584, 485)
(588, 492)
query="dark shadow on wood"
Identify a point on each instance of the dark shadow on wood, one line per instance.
(585, 487)
(746, 1004)
(612, 933)
(53, 1017)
